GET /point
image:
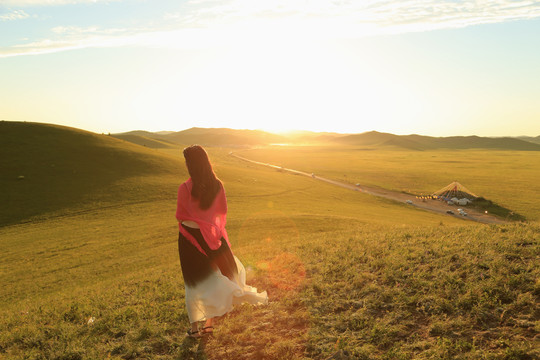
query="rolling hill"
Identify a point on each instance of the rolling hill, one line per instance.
(207, 137)
(246, 138)
(145, 138)
(532, 139)
(419, 142)
(47, 168)
(350, 276)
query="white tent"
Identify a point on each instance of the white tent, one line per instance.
(454, 192)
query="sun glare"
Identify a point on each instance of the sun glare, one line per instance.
(271, 75)
(266, 73)
(284, 87)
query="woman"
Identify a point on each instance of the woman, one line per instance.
(214, 278)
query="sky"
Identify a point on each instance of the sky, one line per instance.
(439, 68)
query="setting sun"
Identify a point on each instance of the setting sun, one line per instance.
(284, 65)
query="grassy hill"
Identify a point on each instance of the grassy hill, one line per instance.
(473, 142)
(418, 142)
(209, 137)
(503, 176)
(373, 139)
(532, 139)
(147, 139)
(349, 276)
(48, 168)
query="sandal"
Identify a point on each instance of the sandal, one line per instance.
(194, 334)
(207, 330)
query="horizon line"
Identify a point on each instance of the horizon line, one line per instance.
(272, 131)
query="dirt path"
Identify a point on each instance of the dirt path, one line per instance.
(436, 206)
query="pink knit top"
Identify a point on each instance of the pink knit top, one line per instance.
(211, 221)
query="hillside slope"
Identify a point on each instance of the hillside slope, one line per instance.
(350, 276)
(420, 142)
(150, 140)
(224, 137)
(206, 137)
(473, 142)
(372, 139)
(535, 140)
(48, 168)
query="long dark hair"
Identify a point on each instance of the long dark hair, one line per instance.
(206, 185)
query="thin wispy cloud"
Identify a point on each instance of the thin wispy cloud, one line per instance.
(72, 37)
(207, 22)
(432, 13)
(24, 3)
(14, 15)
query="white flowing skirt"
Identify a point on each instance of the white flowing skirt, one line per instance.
(217, 294)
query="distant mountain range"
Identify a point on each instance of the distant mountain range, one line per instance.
(535, 140)
(419, 142)
(203, 136)
(373, 139)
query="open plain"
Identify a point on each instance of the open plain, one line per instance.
(89, 264)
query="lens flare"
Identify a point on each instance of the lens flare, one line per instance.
(286, 271)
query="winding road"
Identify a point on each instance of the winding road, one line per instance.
(429, 205)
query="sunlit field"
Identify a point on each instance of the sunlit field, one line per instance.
(349, 275)
(505, 177)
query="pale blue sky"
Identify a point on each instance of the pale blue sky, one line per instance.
(429, 67)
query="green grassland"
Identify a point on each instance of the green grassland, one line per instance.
(67, 169)
(146, 141)
(349, 275)
(507, 178)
